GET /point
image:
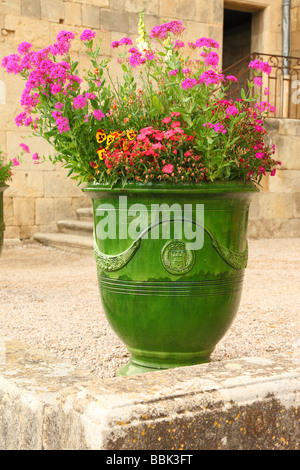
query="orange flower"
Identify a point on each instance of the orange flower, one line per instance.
(124, 144)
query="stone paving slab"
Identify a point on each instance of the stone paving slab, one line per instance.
(249, 403)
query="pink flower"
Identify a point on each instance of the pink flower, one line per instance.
(173, 72)
(24, 147)
(219, 128)
(232, 110)
(87, 35)
(166, 120)
(207, 42)
(28, 121)
(258, 81)
(20, 118)
(231, 78)
(55, 88)
(62, 125)
(210, 59)
(24, 47)
(79, 102)
(56, 114)
(98, 114)
(90, 96)
(266, 91)
(178, 44)
(150, 55)
(259, 65)
(273, 172)
(15, 162)
(259, 155)
(168, 168)
(126, 41)
(35, 157)
(136, 59)
(188, 83)
(115, 44)
(210, 77)
(161, 31)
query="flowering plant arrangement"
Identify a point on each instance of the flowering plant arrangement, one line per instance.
(5, 168)
(166, 119)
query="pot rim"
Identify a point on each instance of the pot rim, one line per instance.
(3, 186)
(168, 187)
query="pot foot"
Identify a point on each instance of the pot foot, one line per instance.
(133, 369)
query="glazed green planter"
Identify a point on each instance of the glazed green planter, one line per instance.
(2, 225)
(168, 300)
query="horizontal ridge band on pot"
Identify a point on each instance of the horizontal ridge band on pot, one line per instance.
(173, 288)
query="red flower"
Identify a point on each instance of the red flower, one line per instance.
(168, 168)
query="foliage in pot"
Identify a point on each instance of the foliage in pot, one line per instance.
(163, 132)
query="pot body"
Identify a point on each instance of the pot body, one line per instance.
(170, 262)
(2, 225)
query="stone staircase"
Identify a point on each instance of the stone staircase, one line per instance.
(72, 235)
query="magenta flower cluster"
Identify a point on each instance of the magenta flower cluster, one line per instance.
(87, 35)
(162, 31)
(261, 66)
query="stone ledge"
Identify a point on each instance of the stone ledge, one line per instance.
(243, 404)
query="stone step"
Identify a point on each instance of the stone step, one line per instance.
(66, 241)
(76, 227)
(85, 213)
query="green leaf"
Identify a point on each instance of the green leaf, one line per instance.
(157, 103)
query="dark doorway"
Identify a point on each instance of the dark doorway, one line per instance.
(236, 37)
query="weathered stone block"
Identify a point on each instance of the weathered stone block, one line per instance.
(115, 20)
(44, 210)
(274, 228)
(73, 14)
(53, 10)
(117, 4)
(26, 28)
(285, 151)
(277, 205)
(12, 7)
(8, 210)
(90, 16)
(26, 184)
(150, 8)
(24, 210)
(31, 8)
(99, 3)
(62, 208)
(214, 406)
(12, 231)
(58, 185)
(285, 181)
(255, 207)
(297, 206)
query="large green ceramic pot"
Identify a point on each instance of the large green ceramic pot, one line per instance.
(168, 299)
(2, 225)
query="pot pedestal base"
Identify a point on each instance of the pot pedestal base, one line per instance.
(132, 369)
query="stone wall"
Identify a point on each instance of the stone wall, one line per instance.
(275, 211)
(39, 195)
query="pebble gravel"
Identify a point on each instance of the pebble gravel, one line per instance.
(49, 298)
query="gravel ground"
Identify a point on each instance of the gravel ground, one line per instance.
(49, 298)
